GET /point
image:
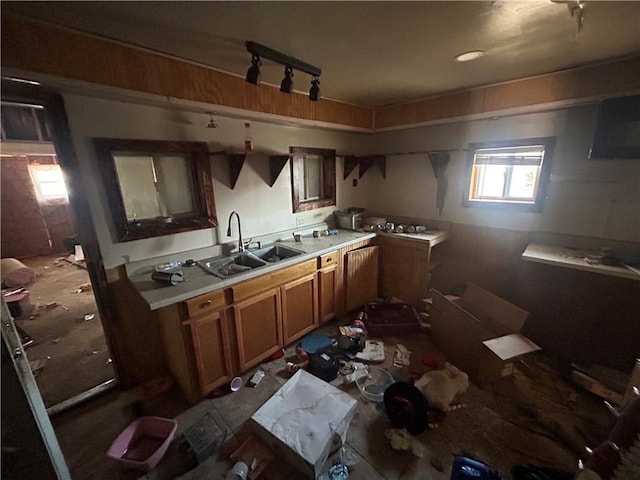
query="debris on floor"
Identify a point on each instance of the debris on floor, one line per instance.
(89, 316)
(400, 439)
(83, 288)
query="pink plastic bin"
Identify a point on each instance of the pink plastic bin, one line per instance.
(143, 443)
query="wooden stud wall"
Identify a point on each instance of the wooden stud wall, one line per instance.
(50, 50)
(611, 79)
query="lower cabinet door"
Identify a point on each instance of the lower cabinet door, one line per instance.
(258, 332)
(299, 307)
(327, 293)
(213, 359)
(361, 279)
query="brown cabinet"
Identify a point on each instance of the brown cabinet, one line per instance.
(258, 327)
(327, 293)
(211, 350)
(405, 269)
(196, 343)
(361, 277)
(299, 307)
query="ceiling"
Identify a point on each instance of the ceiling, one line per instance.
(370, 53)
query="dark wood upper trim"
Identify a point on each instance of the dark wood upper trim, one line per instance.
(37, 47)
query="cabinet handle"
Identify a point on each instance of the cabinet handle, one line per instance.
(205, 304)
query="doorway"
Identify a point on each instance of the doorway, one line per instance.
(61, 312)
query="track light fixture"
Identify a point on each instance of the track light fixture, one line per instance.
(253, 74)
(314, 91)
(286, 85)
(259, 52)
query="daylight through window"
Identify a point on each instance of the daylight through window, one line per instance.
(508, 174)
(48, 181)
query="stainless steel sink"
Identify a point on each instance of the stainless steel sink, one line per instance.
(228, 266)
(275, 253)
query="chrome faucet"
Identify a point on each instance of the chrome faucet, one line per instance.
(240, 244)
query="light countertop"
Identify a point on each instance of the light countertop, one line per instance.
(197, 281)
(576, 258)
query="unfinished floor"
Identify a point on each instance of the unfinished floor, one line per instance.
(539, 419)
(69, 354)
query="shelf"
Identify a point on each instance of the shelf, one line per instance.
(575, 259)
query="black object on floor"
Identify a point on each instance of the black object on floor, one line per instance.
(406, 407)
(467, 468)
(391, 319)
(323, 366)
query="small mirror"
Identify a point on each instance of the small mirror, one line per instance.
(156, 187)
(313, 182)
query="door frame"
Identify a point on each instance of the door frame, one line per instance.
(26, 92)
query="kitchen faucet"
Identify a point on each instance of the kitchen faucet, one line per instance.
(240, 244)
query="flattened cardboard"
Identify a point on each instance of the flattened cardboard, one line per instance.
(510, 346)
(460, 326)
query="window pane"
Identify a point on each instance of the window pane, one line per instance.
(312, 177)
(137, 185)
(174, 184)
(49, 175)
(18, 123)
(491, 179)
(53, 190)
(523, 182)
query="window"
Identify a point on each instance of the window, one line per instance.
(24, 123)
(508, 174)
(48, 182)
(313, 178)
(156, 187)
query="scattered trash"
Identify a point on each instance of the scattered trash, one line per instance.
(440, 387)
(467, 467)
(51, 305)
(402, 356)
(238, 472)
(279, 354)
(292, 367)
(83, 288)
(373, 351)
(95, 352)
(109, 361)
(46, 267)
(89, 316)
(400, 439)
(256, 378)
(64, 306)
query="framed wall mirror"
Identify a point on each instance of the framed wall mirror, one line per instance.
(156, 187)
(313, 178)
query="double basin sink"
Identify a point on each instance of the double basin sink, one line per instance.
(230, 265)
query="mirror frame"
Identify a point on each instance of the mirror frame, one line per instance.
(329, 178)
(197, 152)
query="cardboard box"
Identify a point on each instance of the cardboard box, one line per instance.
(305, 421)
(479, 333)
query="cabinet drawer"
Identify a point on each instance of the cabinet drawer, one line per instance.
(272, 280)
(208, 302)
(328, 259)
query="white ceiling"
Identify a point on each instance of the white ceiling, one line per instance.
(371, 53)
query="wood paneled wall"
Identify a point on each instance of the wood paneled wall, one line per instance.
(610, 79)
(45, 49)
(41, 48)
(574, 315)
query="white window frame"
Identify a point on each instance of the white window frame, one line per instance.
(34, 168)
(509, 154)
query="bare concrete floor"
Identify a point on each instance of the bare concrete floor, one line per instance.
(541, 420)
(71, 353)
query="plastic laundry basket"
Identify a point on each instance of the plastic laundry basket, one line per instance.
(143, 443)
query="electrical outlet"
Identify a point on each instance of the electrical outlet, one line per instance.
(299, 222)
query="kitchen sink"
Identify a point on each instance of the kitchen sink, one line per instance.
(225, 267)
(275, 253)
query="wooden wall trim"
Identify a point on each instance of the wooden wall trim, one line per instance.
(37, 47)
(44, 49)
(559, 89)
